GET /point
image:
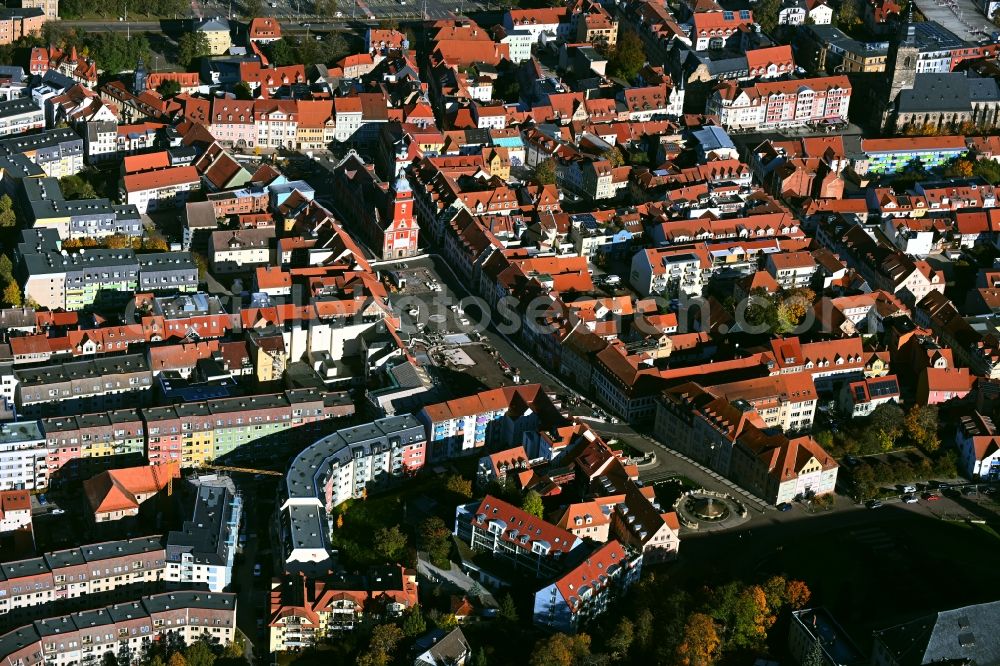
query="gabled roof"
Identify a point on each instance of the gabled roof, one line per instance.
(116, 490)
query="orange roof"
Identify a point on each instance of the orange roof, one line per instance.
(592, 574)
(912, 143)
(265, 28)
(145, 162)
(160, 178)
(116, 490)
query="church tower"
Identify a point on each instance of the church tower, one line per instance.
(402, 231)
(901, 66)
(139, 86)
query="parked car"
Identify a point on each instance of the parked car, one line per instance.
(873, 504)
(909, 499)
(931, 497)
(256, 569)
(42, 500)
(785, 506)
(909, 489)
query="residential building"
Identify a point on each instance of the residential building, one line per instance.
(19, 116)
(117, 493)
(585, 591)
(978, 447)
(887, 156)
(151, 183)
(780, 469)
(305, 611)
(465, 426)
(334, 469)
(792, 270)
(84, 386)
(519, 539)
(15, 510)
(216, 31)
(20, 22)
(443, 649)
(779, 104)
(22, 456)
(167, 272)
(861, 398)
(122, 629)
(240, 251)
(201, 553)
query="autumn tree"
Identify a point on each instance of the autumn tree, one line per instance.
(960, 168)
(12, 295)
(744, 613)
(561, 650)
(628, 57)
(921, 425)
(382, 645)
(614, 155)
(390, 542)
(545, 172)
(7, 217)
(885, 426)
(177, 659)
(532, 504)
(700, 645)
(458, 485)
(848, 16)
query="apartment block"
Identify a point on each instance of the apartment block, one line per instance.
(92, 439)
(465, 426)
(201, 553)
(76, 281)
(21, 115)
(305, 611)
(22, 456)
(587, 590)
(121, 629)
(519, 539)
(84, 386)
(336, 468)
(59, 152)
(82, 218)
(98, 572)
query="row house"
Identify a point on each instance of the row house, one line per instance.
(104, 571)
(124, 629)
(84, 386)
(153, 184)
(77, 442)
(778, 104)
(59, 151)
(75, 281)
(467, 425)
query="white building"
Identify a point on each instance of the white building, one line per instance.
(862, 397)
(518, 43)
(15, 510)
(792, 270)
(22, 456)
(203, 550)
(161, 188)
(978, 447)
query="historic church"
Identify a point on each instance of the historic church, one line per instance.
(941, 100)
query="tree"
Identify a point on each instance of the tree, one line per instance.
(414, 623)
(169, 88)
(459, 485)
(479, 658)
(12, 295)
(74, 187)
(252, 8)
(435, 538)
(885, 427)
(191, 46)
(743, 613)
(385, 638)
(815, 655)
(700, 644)
(390, 542)
(7, 217)
(533, 504)
(614, 155)
(243, 91)
(202, 263)
(545, 172)
(766, 13)
(621, 639)
(921, 425)
(561, 650)
(629, 56)
(199, 654)
(508, 609)
(154, 243)
(177, 659)
(6, 267)
(960, 168)
(848, 16)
